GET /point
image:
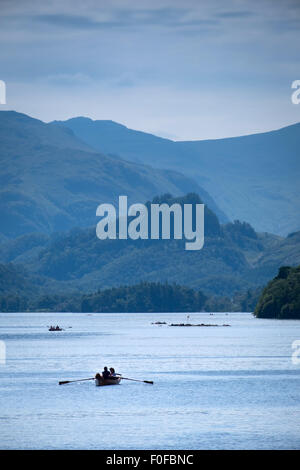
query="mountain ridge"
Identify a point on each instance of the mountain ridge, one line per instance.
(52, 181)
(253, 177)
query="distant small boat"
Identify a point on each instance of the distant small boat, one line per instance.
(100, 381)
(52, 328)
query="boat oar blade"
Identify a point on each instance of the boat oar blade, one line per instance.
(136, 380)
(78, 380)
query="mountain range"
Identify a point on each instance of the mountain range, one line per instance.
(254, 178)
(53, 176)
(53, 181)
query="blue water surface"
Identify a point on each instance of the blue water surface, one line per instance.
(214, 387)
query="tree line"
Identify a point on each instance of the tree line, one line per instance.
(142, 297)
(281, 296)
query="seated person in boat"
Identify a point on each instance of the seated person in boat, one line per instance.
(112, 372)
(105, 373)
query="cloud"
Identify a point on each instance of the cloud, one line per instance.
(67, 79)
(165, 64)
(235, 14)
(160, 17)
(75, 21)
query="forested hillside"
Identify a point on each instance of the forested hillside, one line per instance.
(281, 296)
(234, 258)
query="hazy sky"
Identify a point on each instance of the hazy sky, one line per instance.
(184, 69)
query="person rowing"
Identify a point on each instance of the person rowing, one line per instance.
(105, 373)
(107, 377)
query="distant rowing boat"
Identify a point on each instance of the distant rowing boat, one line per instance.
(100, 381)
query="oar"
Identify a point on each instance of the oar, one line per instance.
(136, 380)
(78, 380)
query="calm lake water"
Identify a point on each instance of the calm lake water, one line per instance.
(215, 388)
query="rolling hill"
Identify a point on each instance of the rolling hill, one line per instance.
(234, 258)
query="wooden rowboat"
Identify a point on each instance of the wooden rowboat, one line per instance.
(100, 381)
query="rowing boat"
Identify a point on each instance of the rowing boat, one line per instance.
(100, 381)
